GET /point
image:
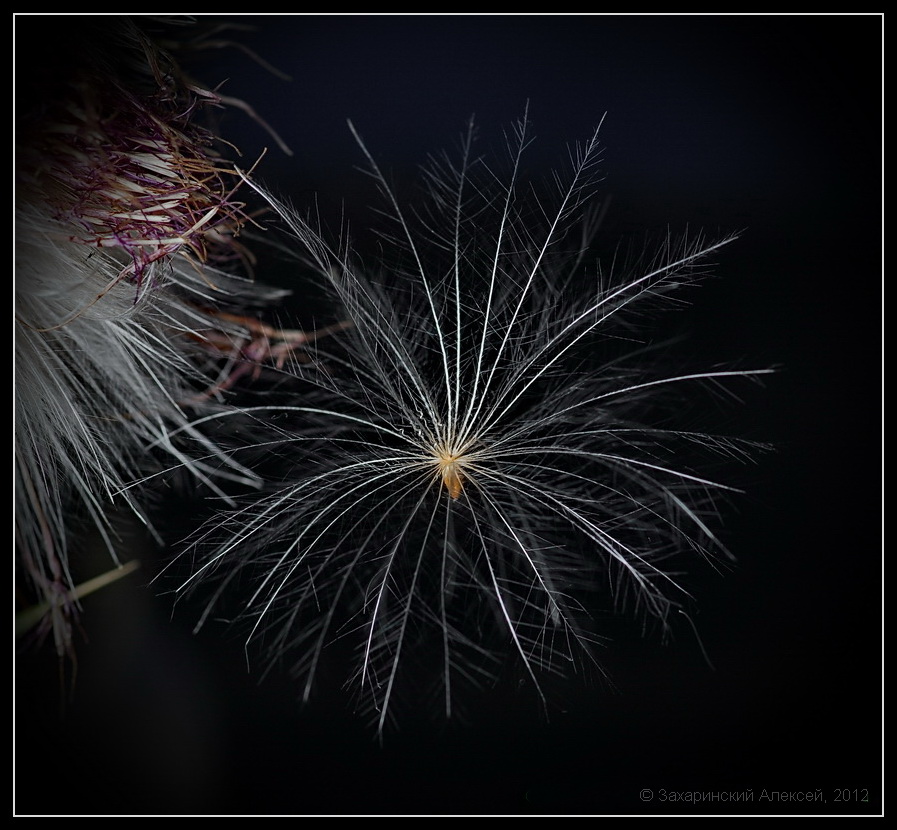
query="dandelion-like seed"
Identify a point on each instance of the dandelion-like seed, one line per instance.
(483, 454)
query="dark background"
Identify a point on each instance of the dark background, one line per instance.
(771, 124)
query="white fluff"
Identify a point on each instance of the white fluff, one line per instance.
(104, 371)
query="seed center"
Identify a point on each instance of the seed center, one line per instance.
(451, 468)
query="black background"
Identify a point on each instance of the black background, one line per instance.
(771, 124)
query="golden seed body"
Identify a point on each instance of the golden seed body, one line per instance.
(451, 468)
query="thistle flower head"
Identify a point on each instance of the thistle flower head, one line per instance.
(125, 220)
(480, 462)
(122, 163)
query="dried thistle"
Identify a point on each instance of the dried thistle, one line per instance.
(129, 276)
